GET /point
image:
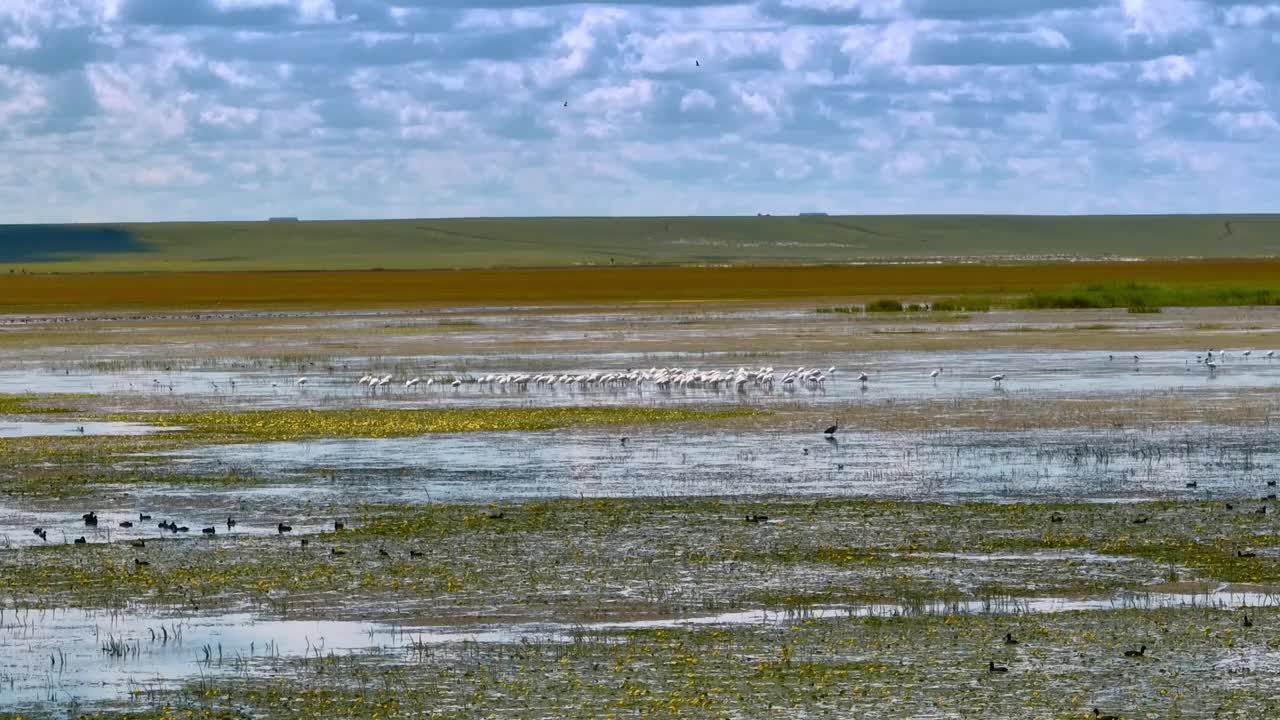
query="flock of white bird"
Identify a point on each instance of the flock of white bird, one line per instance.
(741, 379)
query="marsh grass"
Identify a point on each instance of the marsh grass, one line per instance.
(587, 560)
(910, 666)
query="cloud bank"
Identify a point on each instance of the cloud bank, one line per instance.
(241, 109)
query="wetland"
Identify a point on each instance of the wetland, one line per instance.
(629, 511)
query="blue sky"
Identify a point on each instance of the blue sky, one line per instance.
(240, 109)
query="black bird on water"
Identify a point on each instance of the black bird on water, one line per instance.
(231, 522)
(1247, 622)
(339, 525)
(80, 540)
(336, 552)
(282, 528)
(1009, 639)
(90, 519)
(1097, 715)
(1141, 520)
(140, 563)
(209, 531)
(415, 553)
(143, 517)
(1141, 652)
(756, 518)
(1246, 554)
(1193, 484)
(138, 543)
(41, 533)
(126, 524)
(1056, 518)
(992, 667)
(1271, 483)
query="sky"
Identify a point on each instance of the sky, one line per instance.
(139, 110)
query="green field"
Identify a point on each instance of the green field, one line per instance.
(559, 242)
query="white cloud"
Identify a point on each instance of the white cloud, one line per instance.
(148, 109)
(1242, 91)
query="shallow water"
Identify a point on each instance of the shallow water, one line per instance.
(37, 428)
(1075, 464)
(56, 657)
(893, 376)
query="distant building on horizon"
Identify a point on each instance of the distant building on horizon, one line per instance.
(283, 219)
(813, 214)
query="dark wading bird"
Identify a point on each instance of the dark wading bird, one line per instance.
(832, 430)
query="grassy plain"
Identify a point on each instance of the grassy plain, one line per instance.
(557, 242)
(612, 285)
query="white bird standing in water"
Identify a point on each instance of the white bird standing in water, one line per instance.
(997, 379)
(935, 373)
(301, 381)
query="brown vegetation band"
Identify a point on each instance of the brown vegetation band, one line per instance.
(592, 285)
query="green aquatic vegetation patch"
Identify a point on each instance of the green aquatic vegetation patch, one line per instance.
(32, 404)
(298, 424)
